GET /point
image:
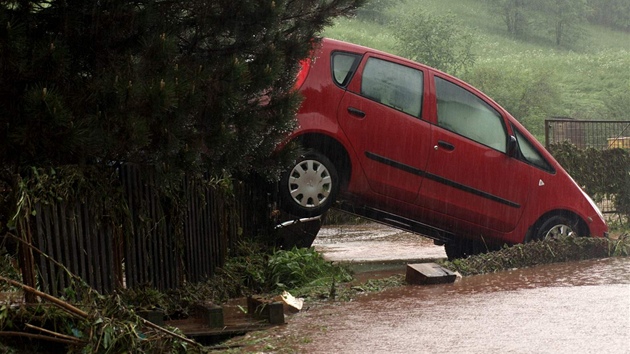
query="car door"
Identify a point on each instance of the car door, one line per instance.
(470, 175)
(381, 116)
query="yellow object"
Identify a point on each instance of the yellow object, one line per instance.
(619, 143)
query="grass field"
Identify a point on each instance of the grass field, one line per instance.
(590, 79)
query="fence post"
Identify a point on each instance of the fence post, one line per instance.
(26, 259)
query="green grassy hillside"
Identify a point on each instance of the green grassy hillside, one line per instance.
(590, 79)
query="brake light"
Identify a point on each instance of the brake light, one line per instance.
(305, 67)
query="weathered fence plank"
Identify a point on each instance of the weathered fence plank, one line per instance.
(161, 245)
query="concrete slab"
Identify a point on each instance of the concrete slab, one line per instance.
(374, 242)
(428, 273)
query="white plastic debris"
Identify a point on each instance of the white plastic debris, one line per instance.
(291, 303)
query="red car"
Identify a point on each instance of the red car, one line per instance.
(410, 146)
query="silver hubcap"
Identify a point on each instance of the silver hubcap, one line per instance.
(310, 183)
(560, 230)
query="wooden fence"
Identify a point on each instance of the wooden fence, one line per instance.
(156, 246)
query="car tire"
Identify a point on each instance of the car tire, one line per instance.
(298, 233)
(464, 248)
(453, 250)
(459, 248)
(310, 186)
(557, 226)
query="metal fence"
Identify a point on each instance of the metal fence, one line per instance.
(597, 134)
(152, 248)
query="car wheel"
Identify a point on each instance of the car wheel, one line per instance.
(557, 226)
(460, 248)
(310, 186)
(464, 248)
(453, 250)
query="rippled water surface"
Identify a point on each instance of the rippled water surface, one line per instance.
(579, 307)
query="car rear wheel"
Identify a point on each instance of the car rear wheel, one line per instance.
(557, 226)
(310, 186)
(462, 248)
(465, 247)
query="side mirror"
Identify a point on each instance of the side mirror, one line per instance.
(512, 146)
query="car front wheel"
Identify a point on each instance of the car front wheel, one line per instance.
(557, 226)
(310, 186)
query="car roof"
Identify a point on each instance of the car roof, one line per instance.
(336, 44)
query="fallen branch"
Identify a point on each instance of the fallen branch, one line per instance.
(162, 329)
(43, 254)
(55, 334)
(61, 304)
(39, 336)
(76, 311)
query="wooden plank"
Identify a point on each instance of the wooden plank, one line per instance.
(49, 251)
(196, 327)
(428, 273)
(271, 311)
(43, 242)
(64, 238)
(58, 240)
(79, 232)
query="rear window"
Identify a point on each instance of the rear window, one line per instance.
(394, 85)
(344, 66)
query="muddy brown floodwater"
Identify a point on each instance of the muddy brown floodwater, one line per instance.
(579, 307)
(574, 308)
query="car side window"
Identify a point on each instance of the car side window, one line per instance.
(394, 85)
(530, 154)
(344, 66)
(462, 112)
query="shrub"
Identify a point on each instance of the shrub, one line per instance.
(602, 173)
(438, 41)
(529, 95)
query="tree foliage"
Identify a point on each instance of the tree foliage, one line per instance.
(196, 85)
(529, 95)
(376, 10)
(561, 19)
(515, 15)
(437, 41)
(611, 13)
(565, 17)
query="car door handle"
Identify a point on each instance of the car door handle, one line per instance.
(356, 112)
(444, 145)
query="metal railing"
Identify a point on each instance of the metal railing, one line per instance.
(597, 134)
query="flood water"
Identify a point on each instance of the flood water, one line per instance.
(578, 307)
